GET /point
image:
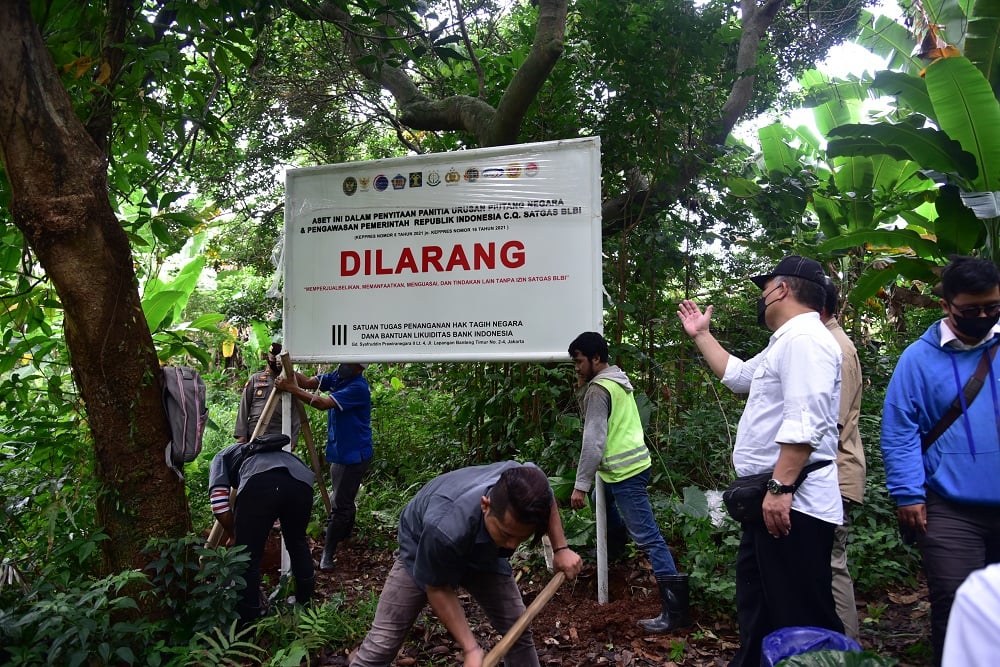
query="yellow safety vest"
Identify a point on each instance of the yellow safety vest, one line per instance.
(625, 454)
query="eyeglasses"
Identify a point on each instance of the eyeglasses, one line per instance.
(990, 310)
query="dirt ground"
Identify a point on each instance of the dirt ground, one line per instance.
(574, 630)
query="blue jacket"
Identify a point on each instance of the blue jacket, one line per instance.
(963, 464)
(349, 427)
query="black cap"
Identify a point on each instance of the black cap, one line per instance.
(794, 265)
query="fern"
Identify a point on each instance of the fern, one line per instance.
(219, 648)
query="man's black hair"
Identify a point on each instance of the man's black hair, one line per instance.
(810, 294)
(524, 493)
(272, 358)
(590, 344)
(968, 275)
(832, 302)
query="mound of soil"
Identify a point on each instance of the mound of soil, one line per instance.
(573, 629)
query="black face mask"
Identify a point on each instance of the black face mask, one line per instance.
(975, 328)
(762, 307)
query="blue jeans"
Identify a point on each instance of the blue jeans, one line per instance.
(628, 505)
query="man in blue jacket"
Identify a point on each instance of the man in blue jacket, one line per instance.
(349, 447)
(946, 490)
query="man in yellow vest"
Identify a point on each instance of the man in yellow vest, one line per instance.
(615, 448)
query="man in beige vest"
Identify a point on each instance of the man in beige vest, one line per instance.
(850, 461)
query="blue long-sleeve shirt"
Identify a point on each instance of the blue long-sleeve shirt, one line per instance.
(927, 379)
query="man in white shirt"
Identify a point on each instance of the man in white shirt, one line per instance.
(973, 638)
(790, 421)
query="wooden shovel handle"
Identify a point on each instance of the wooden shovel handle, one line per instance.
(215, 536)
(286, 365)
(494, 657)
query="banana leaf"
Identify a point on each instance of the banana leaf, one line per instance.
(968, 112)
(890, 238)
(930, 148)
(854, 178)
(982, 43)
(778, 155)
(836, 112)
(870, 282)
(957, 228)
(909, 89)
(888, 39)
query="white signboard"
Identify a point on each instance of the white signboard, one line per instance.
(479, 255)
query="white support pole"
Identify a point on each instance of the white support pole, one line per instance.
(602, 542)
(286, 428)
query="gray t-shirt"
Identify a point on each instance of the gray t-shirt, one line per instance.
(219, 475)
(442, 536)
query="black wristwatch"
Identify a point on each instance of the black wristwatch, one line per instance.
(777, 488)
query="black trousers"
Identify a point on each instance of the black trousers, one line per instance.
(268, 496)
(783, 582)
(959, 540)
(345, 481)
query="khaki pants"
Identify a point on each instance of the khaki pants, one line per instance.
(843, 585)
(402, 601)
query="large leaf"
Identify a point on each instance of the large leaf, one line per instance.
(982, 43)
(829, 214)
(931, 149)
(821, 90)
(899, 239)
(778, 155)
(913, 268)
(969, 113)
(958, 229)
(163, 299)
(159, 308)
(906, 88)
(836, 112)
(854, 178)
(888, 39)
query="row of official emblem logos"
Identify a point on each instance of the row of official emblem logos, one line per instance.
(416, 179)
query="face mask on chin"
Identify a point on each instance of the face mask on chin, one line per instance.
(762, 307)
(975, 328)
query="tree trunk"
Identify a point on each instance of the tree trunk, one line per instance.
(59, 201)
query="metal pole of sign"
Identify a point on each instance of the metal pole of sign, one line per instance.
(286, 428)
(602, 541)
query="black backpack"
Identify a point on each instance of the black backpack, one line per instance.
(237, 456)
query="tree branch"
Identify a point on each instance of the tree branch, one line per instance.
(756, 20)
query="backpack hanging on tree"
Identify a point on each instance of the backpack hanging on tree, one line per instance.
(187, 413)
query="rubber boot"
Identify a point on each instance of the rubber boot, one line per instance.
(675, 597)
(326, 560)
(304, 590)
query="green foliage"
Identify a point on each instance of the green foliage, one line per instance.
(189, 592)
(703, 546)
(838, 659)
(75, 625)
(198, 587)
(302, 631)
(47, 485)
(230, 648)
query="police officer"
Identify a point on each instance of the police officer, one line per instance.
(254, 397)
